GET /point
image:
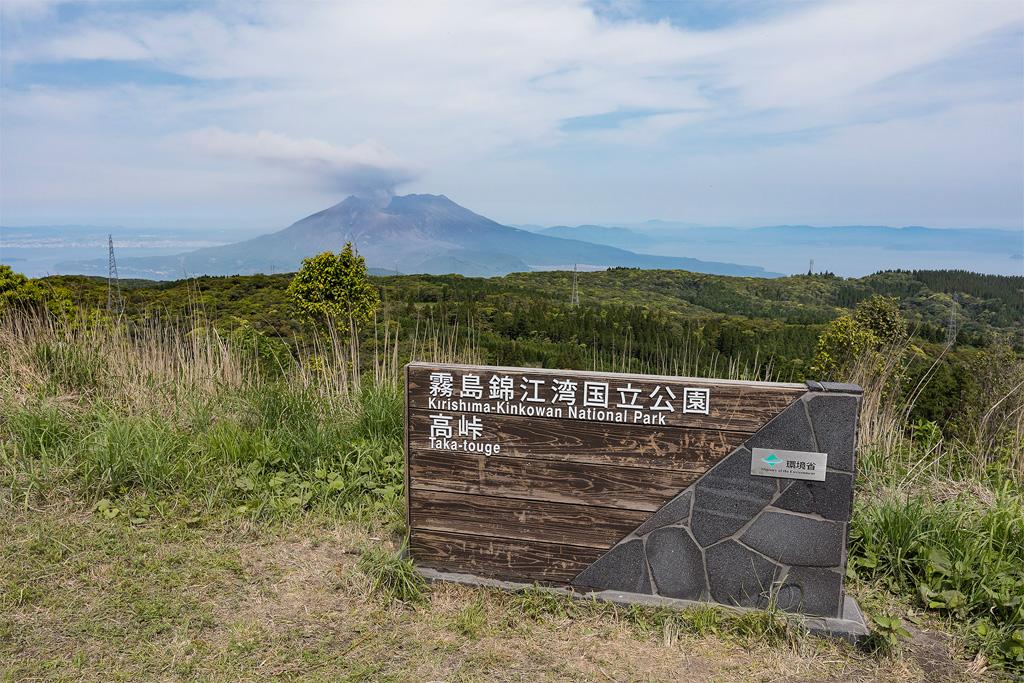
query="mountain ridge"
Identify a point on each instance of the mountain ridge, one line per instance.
(416, 233)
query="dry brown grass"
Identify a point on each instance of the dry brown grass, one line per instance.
(91, 599)
(129, 365)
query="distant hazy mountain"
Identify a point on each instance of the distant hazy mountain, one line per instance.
(411, 234)
(848, 250)
(601, 234)
(911, 238)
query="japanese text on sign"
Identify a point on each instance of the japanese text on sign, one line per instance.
(563, 397)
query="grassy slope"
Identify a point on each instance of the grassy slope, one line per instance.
(184, 515)
(158, 522)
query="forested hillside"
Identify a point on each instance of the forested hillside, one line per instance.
(628, 319)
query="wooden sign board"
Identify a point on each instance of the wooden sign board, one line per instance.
(633, 484)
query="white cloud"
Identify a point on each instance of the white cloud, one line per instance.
(478, 56)
(464, 87)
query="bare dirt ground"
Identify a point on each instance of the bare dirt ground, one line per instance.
(89, 599)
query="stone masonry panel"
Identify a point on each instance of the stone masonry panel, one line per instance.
(740, 539)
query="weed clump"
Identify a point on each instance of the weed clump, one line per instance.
(963, 558)
(392, 577)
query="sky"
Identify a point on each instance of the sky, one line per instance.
(251, 115)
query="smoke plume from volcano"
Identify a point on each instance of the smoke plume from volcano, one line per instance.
(367, 169)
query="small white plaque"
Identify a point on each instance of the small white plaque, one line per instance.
(775, 462)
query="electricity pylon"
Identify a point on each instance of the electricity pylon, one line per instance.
(114, 300)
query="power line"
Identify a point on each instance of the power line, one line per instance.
(574, 299)
(951, 327)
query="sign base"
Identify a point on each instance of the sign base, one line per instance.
(850, 626)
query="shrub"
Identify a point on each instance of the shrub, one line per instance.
(841, 345)
(19, 293)
(875, 327)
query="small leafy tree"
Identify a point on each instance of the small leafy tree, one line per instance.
(336, 287)
(876, 327)
(842, 343)
(881, 315)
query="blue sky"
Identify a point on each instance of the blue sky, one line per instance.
(251, 115)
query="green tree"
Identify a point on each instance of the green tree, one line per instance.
(839, 346)
(332, 287)
(881, 315)
(18, 292)
(871, 335)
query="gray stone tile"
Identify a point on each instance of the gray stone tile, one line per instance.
(676, 510)
(728, 497)
(737, 576)
(789, 430)
(621, 569)
(789, 598)
(832, 498)
(796, 540)
(676, 563)
(834, 418)
(810, 590)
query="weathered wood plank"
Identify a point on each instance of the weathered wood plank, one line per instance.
(563, 482)
(738, 406)
(671, 448)
(562, 523)
(523, 561)
(406, 428)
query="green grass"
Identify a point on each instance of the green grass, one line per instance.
(265, 452)
(963, 558)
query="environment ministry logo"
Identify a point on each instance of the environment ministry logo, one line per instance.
(771, 462)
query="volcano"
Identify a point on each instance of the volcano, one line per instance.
(416, 233)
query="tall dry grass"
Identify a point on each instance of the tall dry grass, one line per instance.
(124, 364)
(888, 432)
(159, 361)
(694, 358)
